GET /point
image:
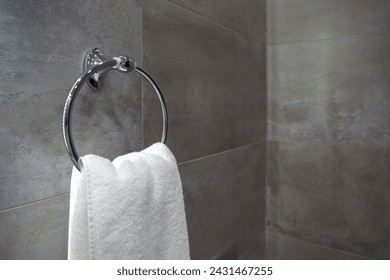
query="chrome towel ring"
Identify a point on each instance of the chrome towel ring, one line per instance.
(94, 67)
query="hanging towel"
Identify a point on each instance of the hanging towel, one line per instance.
(131, 208)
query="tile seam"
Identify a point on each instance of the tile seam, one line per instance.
(182, 163)
(142, 80)
(252, 246)
(367, 34)
(323, 246)
(222, 152)
(216, 23)
(179, 164)
(33, 202)
(374, 147)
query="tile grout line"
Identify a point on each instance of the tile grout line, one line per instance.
(216, 23)
(222, 152)
(330, 144)
(33, 202)
(182, 163)
(142, 115)
(142, 80)
(366, 34)
(325, 247)
(252, 246)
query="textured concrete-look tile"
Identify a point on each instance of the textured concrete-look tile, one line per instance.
(224, 201)
(41, 47)
(279, 247)
(333, 195)
(212, 78)
(334, 90)
(246, 17)
(300, 20)
(35, 231)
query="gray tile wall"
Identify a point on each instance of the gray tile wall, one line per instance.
(210, 64)
(41, 47)
(328, 129)
(213, 76)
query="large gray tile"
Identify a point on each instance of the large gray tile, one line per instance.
(300, 20)
(213, 80)
(279, 247)
(35, 231)
(334, 90)
(224, 200)
(246, 17)
(41, 47)
(333, 195)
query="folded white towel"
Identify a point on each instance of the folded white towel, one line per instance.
(131, 208)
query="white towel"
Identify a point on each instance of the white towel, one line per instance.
(131, 208)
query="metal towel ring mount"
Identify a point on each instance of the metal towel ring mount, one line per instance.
(94, 67)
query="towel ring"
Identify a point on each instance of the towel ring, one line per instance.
(95, 66)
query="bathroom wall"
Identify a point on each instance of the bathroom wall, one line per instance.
(209, 60)
(41, 47)
(328, 129)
